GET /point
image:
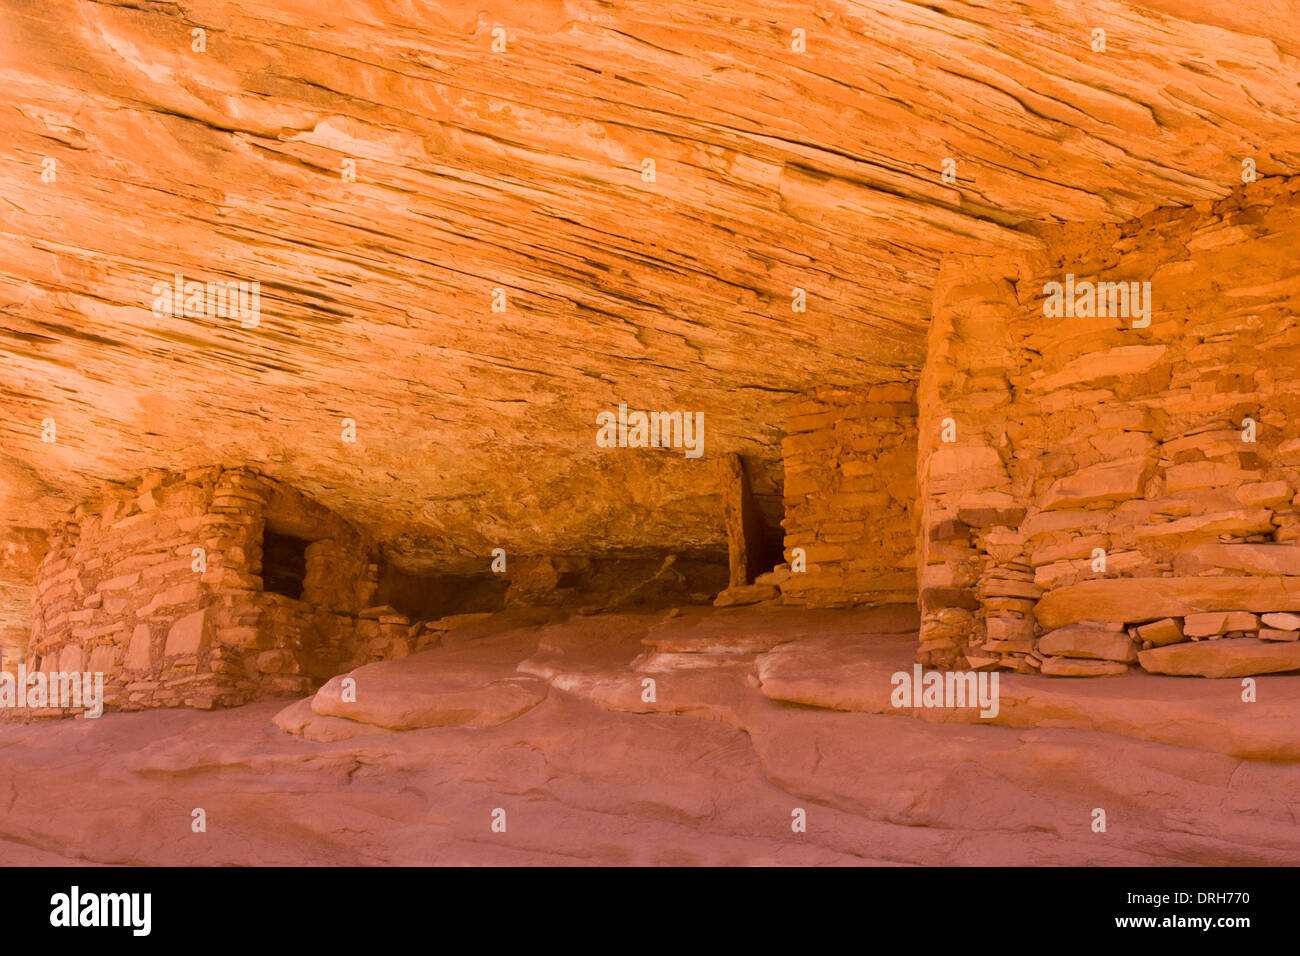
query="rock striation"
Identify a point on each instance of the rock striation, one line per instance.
(1034, 404)
(522, 169)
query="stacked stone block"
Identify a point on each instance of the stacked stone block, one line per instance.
(1096, 451)
(158, 585)
(850, 485)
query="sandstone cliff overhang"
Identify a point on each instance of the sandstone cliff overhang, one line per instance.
(522, 169)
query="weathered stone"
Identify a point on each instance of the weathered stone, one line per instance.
(1289, 451)
(776, 577)
(188, 635)
(1253, 558)
(274, 661)
(1082, 408)
(1088, 641)
(1108, 481)
(1265, 494)
(1022, 606)
(1209, 525)
(1007, 627)
(1148, 599)
(1160, 633)
(158, 585)
(139, 654)
(1209, 474)
(983, 516)
(101, 659)
(965, 461)
(120, 582)
(1073, 549)
(1282, 621)
(1221, 622)
(396, 696)
(452, 621)
(950, 529)
(1110, 363)
(1007, 647)
(1076, 667)
(1003, 545)
(934, 599)
(1241, 657)
(1010, 588)
(748, 594)
(70, 659)
(238, 635)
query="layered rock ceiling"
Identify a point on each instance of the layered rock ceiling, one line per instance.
(524, 170)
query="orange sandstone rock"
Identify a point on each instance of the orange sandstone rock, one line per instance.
(1241, 657)
(1147, 599)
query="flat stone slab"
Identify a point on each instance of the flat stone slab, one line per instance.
(1283, 559)
(1131, 600)
(856, 674)
(1282, 621)
(845, 661)
(468, 680)
(1219, 622)
(390, 696)
(746, 594)
(748, 630)
(1093, 643)
(1162, 632)
(1233, 657)
(1081, 667)
(827, 659)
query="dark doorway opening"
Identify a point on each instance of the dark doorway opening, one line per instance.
(767, 491)
(284, 564)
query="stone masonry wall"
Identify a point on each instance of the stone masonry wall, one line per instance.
(158, 585)
(850, 485)
(1093, 486)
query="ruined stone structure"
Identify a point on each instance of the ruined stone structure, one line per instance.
(850, 485)
(1072, 494)
(1116, 468)
(217, 586)
(892, 412)
(211, 587)
(1072, 487)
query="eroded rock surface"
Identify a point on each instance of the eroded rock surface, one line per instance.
(522, 170)
(468, 682)
(708, 774)
(826, 232)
